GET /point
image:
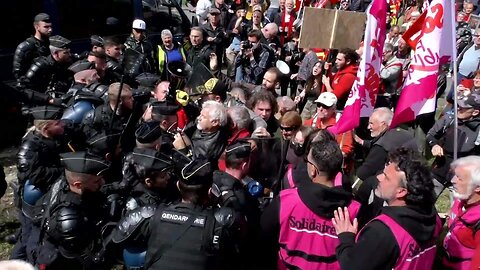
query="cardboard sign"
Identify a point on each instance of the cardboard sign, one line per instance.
(332, 29)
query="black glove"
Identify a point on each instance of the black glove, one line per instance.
(56, 102)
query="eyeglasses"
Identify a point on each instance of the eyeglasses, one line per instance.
(287, 129)
(323, 106)
(309, 162)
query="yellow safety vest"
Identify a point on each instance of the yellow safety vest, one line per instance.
(162, 57)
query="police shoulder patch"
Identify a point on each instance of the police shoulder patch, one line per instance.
(131, 221)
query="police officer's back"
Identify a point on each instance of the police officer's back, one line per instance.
(154, 171)
(190, 235)
(38, 168)
(38, 156)
(73, 216)
(234, 192)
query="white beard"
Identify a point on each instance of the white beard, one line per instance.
(465, 196)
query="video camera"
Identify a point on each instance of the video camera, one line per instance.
(245, 45)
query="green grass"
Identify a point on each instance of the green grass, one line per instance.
(443, 202)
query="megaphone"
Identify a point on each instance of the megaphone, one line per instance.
(283, 67)
(179, 72)
(179, 69)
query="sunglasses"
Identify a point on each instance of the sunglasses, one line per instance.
(287, 129)
(323, 106)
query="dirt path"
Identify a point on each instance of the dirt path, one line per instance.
(8, 212)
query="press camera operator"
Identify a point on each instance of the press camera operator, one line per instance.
(254, 59)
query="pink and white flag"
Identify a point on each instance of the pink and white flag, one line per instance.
(361, 100)
(435, 47)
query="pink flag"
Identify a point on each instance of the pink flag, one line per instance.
(361, 100)
(435, 47)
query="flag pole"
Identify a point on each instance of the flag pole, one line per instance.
(454, 83)
(455, 107)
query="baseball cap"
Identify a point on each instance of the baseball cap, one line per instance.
(214, 10)
(469, 101)
(327, 99)
(139, 24)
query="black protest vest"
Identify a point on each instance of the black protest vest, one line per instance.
(191, 250)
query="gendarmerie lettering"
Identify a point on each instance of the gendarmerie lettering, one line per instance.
(181, 218)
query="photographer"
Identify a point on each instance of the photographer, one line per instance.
(215, 33)
(253, 60)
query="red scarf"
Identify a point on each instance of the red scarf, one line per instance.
(284, 25)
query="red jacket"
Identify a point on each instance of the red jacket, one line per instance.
(238, 134)
(342, 83)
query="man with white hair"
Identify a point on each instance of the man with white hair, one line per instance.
(209, 136)
(462, 242)
(384, 140)
(168, 51)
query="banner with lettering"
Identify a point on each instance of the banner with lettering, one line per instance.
(435, 47)
(361, 100)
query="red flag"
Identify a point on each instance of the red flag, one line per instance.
(361, 100)
(435, 46)
(414, 33)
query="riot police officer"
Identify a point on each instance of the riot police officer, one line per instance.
(165, 112)
(106, 146)
(233, 189)
(73, 216)
(113, 50)
(149, 135)
(187, 235)
(104, 118)
(156, 182)
(38, 167)
(34, 46)
(49, 77)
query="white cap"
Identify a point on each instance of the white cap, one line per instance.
(326, 98)
(139, 24)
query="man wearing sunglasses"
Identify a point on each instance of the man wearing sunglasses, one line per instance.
(441, 138)
(325, 118)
